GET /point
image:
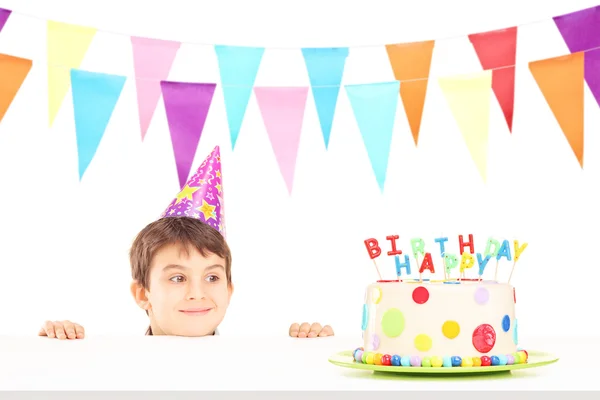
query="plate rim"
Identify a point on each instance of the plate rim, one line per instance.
(548, 359)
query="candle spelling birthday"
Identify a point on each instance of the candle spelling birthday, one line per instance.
(452, 263)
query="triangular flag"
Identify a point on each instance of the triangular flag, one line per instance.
(4, 14)
(468, 97)
(94, 98)
(580, 29)
(581, 32)
(282, 110)
(66, 47)
(497, 51)
(374, 106)
(187, 106)
(325, 67)
(410, 63)
(238, 67)
(560, 80)
(13, 71)
(152, 61)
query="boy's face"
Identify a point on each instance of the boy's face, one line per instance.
(188, 294)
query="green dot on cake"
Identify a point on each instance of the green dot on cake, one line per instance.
(392, 322)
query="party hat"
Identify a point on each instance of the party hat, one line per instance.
(202, 195)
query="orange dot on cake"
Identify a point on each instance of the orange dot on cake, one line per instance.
(450, 329)
(423, 342)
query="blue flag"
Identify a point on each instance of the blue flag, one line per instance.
(374, 107)
(238, 67)
(94, 98)
(325, 68)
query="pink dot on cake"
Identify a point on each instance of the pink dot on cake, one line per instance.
(423, 342)
(482, 295)
(484, 338)
(420, 295)
(374, 342)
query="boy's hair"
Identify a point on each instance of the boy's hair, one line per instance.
(185, 231)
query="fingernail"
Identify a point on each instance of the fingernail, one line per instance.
(302, 334)
(312, 334)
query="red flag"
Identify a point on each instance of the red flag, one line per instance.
(497, 50)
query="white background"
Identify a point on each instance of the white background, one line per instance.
(301, 258)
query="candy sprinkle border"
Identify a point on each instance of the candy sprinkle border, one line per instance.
(368, 357)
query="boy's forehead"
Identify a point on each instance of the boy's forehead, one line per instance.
(185, 256)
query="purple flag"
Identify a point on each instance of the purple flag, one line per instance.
(580, 29)
(581, 32)
(4, 14)
(186, 105)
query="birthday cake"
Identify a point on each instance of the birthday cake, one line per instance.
(451, 322)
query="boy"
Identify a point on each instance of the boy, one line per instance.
(181, 269)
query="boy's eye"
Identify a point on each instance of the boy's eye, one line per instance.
(212, 278)
(177, 279)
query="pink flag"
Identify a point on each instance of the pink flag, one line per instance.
(152, 61)
(282, 110)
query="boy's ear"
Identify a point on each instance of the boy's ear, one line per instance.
(230, 289)
(139, 295)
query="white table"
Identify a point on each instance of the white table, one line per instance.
(269, 363)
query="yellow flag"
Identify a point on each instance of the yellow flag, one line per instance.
(469, 99)
(67, 45)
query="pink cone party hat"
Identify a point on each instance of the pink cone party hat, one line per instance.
(202, 195)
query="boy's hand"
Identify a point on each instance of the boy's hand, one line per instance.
(62, 330)
(310, 331)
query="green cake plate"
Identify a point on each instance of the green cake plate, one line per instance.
(536, 359)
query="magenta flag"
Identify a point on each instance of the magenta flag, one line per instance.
(152, 61)
(4, 14)
(186, 106)
(282, 110)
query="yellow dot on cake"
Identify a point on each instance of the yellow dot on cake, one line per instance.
(376, 295)
(423, 342)
(451, 329)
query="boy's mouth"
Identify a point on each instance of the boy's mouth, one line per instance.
(196, 311)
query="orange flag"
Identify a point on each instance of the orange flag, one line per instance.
(561, 81)
(13, 71)
(410, 63)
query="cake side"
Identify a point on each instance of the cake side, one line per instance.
(440, 320)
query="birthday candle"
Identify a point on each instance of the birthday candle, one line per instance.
(467, 261)
(427, 264)
(399, 265)
(482, 263)
(519, 250)
(492, 243)
(462, 244)
(418, 246)
(450, 262)
(504, 251)
(373, 248)
(441, 241)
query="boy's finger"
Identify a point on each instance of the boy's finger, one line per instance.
(326, 331)
(69, 329)
(294, 329)
(79, 331)
(47, 329)
(304, 328)
(59, 330)
(314, 330)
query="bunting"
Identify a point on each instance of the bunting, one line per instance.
(238, 67)
(152, 61)
(581, 32)
(325, 67)
(560, 80)
(13, 71)
(67, 44)
(374, 107)
(282, 110)
(468, 97)
(186, 106)
(4, 15)
(497, 51)
(411, 63)
(94, 98)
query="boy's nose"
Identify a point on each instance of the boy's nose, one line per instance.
(194, 292)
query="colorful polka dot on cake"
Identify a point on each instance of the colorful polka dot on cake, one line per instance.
(420, 295)
(482, 295)
(484, 338)
(450, 329)
(506, 323)
(423, 342)
(365, 317)
(392, 322)
(374, 342)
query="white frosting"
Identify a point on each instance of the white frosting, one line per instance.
(446, 302)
